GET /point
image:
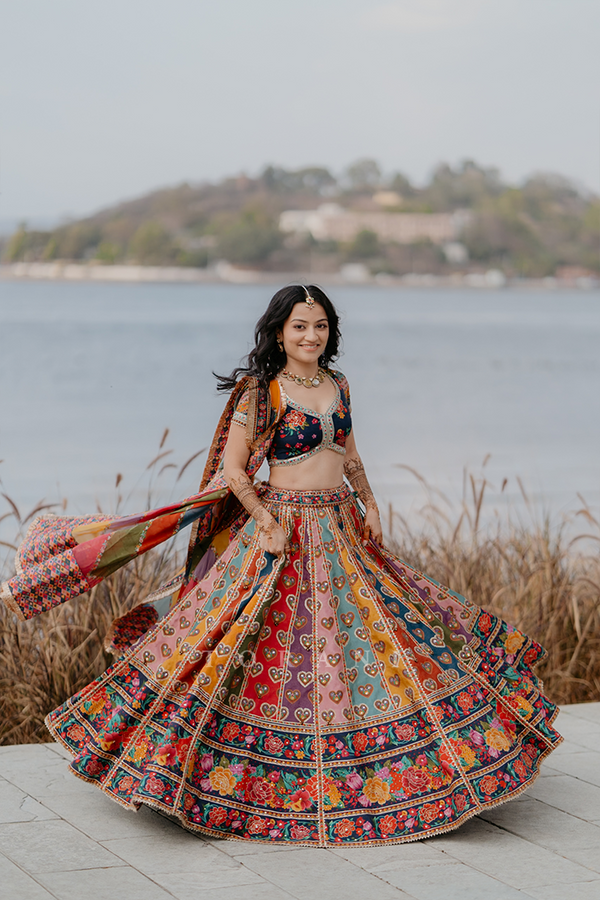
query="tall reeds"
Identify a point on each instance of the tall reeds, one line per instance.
(45, 660)
(544, 579)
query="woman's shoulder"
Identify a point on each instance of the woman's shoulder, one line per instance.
(340, 378)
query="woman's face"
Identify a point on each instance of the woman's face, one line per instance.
(305, 334)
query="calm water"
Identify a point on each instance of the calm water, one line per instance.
(91, 375)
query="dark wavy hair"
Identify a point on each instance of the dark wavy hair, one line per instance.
(265, 360)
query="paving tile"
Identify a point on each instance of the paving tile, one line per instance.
(193, 887)
(567, 747)
(55, 747)
(548, 772)
(246, 848)
(52, 846)
(584, 765)
(22, 750)
(590, 890)
(579, 731)
(102, 884)
(588, 857)
(17, 806)
(379, 859)
(589, 711)
(17, 885)
(322, 875)
(546, 826)
(454, 881)
(578, 798)
(101, 818)
(174, 852)
(510, 859)
(185, 885)
(40, 775)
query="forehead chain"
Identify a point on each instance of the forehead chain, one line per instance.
(310, 301)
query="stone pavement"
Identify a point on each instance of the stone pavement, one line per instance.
(61, 838)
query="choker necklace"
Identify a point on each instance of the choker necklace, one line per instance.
(307, 382)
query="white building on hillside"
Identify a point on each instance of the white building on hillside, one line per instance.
(331, 222)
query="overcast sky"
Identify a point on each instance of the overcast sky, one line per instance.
(100, 101)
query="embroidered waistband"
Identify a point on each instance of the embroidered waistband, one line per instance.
(305, 498)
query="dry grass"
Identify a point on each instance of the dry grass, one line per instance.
(544, 579)
(536, 576)
(47, 659)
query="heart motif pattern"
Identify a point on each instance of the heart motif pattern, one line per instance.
(290, 647)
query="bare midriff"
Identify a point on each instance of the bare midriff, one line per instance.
(323, 471)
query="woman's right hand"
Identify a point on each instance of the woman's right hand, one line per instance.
(273, 539)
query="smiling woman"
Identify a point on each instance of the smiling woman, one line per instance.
(305, 685)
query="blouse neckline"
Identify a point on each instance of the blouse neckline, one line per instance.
(313, 412)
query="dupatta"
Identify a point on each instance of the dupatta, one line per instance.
(62, 557)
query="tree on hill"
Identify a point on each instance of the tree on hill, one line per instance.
(152, 245)
(249, 237)
(363, 175)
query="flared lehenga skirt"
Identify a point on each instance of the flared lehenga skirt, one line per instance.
(335, 697)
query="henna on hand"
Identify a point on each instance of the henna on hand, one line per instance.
(243, 489)
(271, 535)
(356, 475)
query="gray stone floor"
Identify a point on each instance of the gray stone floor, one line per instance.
(61, 838)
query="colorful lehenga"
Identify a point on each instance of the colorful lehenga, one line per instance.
(336, 696)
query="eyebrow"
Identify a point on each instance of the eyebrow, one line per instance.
(298, 319)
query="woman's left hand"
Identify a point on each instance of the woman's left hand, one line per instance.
(372, 528)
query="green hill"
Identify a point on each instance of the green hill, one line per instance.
(532, 229)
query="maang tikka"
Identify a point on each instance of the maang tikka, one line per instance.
(310, 301)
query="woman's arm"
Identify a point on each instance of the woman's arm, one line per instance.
(356, 475)
(272, 536)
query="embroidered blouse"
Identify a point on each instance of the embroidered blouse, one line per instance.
(302, 432)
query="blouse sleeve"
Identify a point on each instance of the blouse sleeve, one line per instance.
(345, 388)
(240, 416)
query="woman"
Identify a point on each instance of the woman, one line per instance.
(305, 685)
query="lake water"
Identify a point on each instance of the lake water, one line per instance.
(92, 374)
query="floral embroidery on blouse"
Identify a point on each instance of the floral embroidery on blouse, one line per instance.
(240, 415)
(303, 432)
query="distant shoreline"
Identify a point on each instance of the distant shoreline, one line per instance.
(225, 273)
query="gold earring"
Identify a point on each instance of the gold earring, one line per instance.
(280, 345)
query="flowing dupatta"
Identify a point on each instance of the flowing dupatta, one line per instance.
(63, 557)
